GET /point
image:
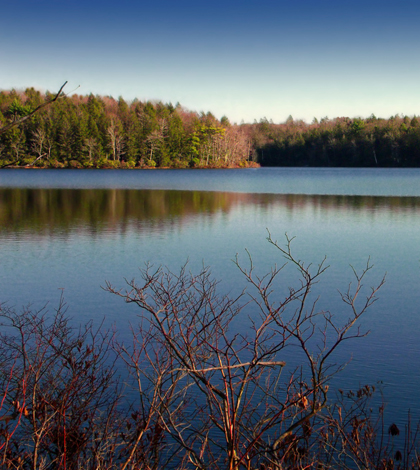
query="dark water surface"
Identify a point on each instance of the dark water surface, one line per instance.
(75, 229)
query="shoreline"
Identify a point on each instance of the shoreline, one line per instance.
(69, 167)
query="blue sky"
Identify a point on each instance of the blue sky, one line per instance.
(244, 59)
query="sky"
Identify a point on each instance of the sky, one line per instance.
(246, 59)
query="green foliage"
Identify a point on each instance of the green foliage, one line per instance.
(17, 109)
(414, 122)
(358, 126)
(100, 132)
(224, 121)
(93, 130)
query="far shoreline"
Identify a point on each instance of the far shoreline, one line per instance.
(80, 167)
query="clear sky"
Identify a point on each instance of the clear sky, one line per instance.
(246, 59)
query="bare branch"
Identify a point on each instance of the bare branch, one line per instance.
(38, 108)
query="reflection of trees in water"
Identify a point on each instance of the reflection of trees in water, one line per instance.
(96, 210)
(93, 211)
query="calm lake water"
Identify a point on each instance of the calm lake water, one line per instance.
(73, 230)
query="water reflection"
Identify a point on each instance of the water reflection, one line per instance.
(78, 238)
(47, 211)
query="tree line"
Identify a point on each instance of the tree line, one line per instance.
(102, 132)
(339, 142)
(94, 132)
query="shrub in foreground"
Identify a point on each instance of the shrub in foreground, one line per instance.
(190, 390)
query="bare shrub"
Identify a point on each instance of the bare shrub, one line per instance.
(192, 390)
(230, 401)
(62, 385)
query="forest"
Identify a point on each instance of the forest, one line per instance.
(102, 132)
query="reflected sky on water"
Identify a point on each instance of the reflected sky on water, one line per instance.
(327, 181)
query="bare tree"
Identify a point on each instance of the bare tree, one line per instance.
(116, 140)
(237, 146)
(90, 146)
(236, 403)
(154, 140)
(41, 145)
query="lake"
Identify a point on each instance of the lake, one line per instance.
(72, 230)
